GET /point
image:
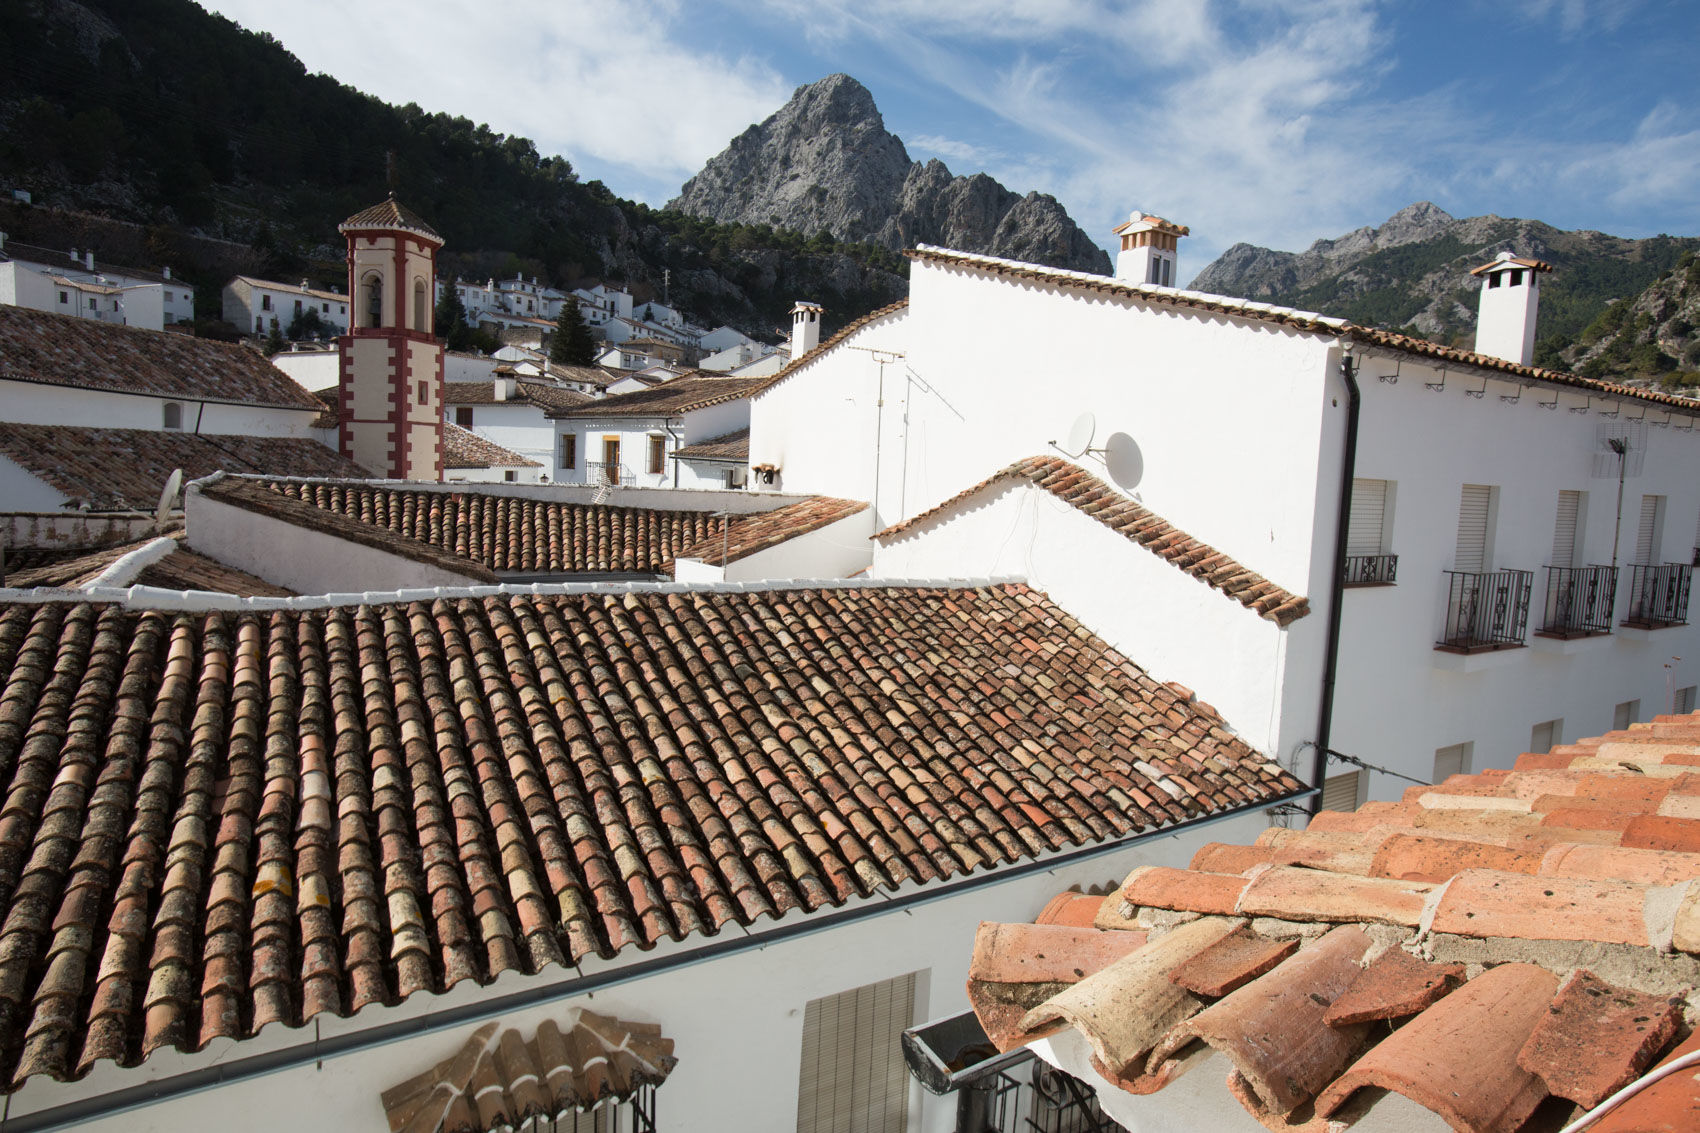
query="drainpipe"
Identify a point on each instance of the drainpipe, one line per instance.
(1337, 585)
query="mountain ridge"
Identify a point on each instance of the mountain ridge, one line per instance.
(824, 162)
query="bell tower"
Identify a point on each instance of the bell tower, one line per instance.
(390, 388)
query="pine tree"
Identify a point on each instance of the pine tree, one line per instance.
(275, 342)
(450, 321)
(572, 343)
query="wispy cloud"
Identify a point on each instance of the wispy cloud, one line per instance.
(978, 156)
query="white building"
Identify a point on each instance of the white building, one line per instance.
(258, 306)
(1491, 484)
(512, 412)
(630, 439)
(69, 283)
(470, 457)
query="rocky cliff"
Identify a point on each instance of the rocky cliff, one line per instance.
(1412, 273)
(826, 163)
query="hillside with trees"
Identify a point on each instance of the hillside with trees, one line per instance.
(159, 115)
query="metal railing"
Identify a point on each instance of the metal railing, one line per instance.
(1658, 595)
(1371, 570)
(1579, 601)
(1488, 610)
(601, 472)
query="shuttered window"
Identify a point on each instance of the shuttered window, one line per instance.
(853, 1079)
(1366, 527)
(1684, 700)
(1544, 737)
(1473, 505)
(1647, 534)
(1340, 792)
(1454, 760)
(1626, 714)
(1564, 529)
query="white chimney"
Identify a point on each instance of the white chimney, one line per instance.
(506, 388)
(88, 259)
(1511, 297)
(805, 327)
(73, 254)
(1148, 249)
(167, 271)
(305, 286)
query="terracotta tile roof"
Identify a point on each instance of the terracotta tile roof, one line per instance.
(463, 448)
(509, 533)
(669, 399)
(758, 531)
(542, 396)
(330, 409)
(69, 571)
(498, 1081)
(62, 350)
(263, 497)
(729, 446)
(1551, 913)
(1285, 316)
(390, 214)
(1505, 261)
(184, 569)
(295, 288)
(217, 820)
(1080, 489)
(126, 469)
(849, 329)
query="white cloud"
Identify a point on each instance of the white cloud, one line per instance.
(1576, 16)
(952, 149)
(578, 77)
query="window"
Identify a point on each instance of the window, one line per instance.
(1565, 528)
(1340, 792)
(1517, 278)
(463, 416)
(64, 297)
(325, 307)
(1544, 737)
(1454, 760)
(569, 450)
(91, 304)
(259, 324)
(421, 310)
(1475, 512)
(170, 298)
(1650, 533)
(265, 302)
(298, 306)
(372, 288)
(1625, 714)
(852, 1075)
(1684, 701)
(510, 474)
(1493, 281)
(173, 415)
(424, 392)
(657, 454)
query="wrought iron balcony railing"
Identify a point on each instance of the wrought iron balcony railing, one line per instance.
(1579, 601)
(1658, 595)
(600, 472)
(1484, 611)
(1371, 570)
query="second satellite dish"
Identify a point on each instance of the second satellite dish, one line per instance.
(1080, 435)
(1123, 460)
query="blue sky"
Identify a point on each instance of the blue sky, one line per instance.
(1270, 121)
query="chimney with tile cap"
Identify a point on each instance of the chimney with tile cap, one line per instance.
(1148, 249)
(805, 327)
(1511, 297)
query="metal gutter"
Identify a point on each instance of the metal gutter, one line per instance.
(1337, 585)
(84, 1110)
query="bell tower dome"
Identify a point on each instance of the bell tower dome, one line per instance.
(390, 388)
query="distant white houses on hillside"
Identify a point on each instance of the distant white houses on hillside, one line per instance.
(258, 306)
(73, 283)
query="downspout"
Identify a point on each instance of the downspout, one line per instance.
(317, 1049)
(1337, 584)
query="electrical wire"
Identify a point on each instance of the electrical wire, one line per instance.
(1629, 1091)
(1356, 762)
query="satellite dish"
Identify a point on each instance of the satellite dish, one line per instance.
(1080, 435)
(1123, 460)
(173, 485)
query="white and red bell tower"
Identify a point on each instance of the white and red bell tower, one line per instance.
(390, 389)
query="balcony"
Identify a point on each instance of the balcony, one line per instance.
(1486, 611)
(1579, 601)
(1658, 595)
(612, 474)
(1371, 570)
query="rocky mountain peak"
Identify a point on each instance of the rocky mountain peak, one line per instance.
(825, 161)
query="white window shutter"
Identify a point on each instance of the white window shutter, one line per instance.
(1471, 553)
(1365, 530)
(1564, 530)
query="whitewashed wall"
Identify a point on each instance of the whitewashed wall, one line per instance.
(1399, 700)
(497, 474)
(837, 550)
(32, 403)
(22, 490)
(311, 369)
(736, 1020)
(519, 427)
(305, 561)
(634, 433)
(1263, 680)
